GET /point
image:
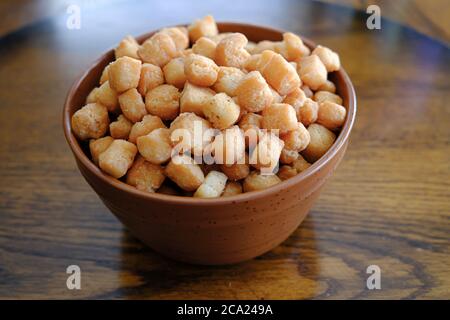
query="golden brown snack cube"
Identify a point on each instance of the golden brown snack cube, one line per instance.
(300, 164)
(120, 129)
(190, 132)
(185, 31)
(212, 186)
(105, 75)
(292, 47)
(179, 37)
(92, 96)
(205, 47)
(156, 146)
(250, 121)
(222, 111)
(200, 70)
(118, 158)
(108, 97)
(128, 47)
(90, 122)
(321, 140)
(294, 64)
(253, 93)
(218, 37)
(296, 98)
(286, 172)
(331, 115)
(202, 27)
(145, 126)
(174, 72)
(242, 111)
(307, 90)
(194, 98)
(279, 116)
(329, 58)
(163, 101)
(185, 173)
(322, 96)
(250, 124)
(228, 79)
(307, 113)
(124, 73)
(263, 46)
(312, 71)
(145, 176)
(264, 58)
(232, 188)
(256, 181)
(277, 98)
(132, 105)
(97, 146)
(159, 49)
(279, 73)
(229, 147)
(207, 168)
(253, 62)
(238, 170)
(230, 51)
(288, 156)
(267, 153)
(250, 46)
(328, 86)
(185, 53)
(297, 139)
(151, 77)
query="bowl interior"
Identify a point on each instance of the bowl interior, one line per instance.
(88, 80)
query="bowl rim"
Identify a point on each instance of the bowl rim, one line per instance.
(182, 200)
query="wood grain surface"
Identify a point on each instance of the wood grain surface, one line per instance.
(387, 204)
(429, 17)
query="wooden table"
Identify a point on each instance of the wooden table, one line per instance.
(387, 205)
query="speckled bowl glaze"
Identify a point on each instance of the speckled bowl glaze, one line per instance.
(211, 231)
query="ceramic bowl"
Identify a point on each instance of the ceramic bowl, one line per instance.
(211, 231)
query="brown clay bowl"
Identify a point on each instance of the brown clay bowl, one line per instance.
(211, 231)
